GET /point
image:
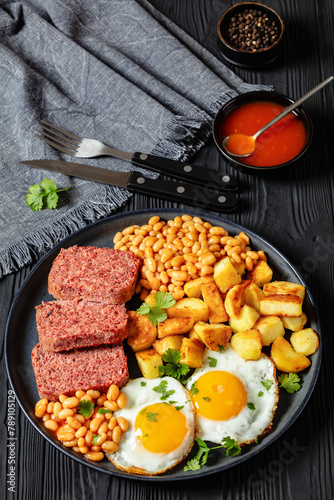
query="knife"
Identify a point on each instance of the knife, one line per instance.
(198, 196)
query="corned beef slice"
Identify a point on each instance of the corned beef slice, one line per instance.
(66, 372)
(94, 274)
(68, 324)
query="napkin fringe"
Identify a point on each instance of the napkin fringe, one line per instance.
(25, 252)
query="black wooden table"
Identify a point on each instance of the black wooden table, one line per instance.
(293, 211)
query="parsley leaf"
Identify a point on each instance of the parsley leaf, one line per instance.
(95, 438)
(251, 406)
(266, 384)
(162, 389)
(173, 368)
(156, 313)
(289, 382)
(207, 399)
(43, 195)
(212, 362)
(104, 410)
(85, 407)
(193, 389)
(260, 394)
(150, 415)
(200, 459)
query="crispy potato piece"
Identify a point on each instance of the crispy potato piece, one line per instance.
(193, 335)
(189, 307)
(260, 274)
(270, 327)
(149, 362)
(294, 324)
(175, 326)
(240, 267)
(225, 275)
(285, 287)
(286, 358)
(247, 344)
(246, 320)
(305, 341)
(192, 288)
(212, 297)
(142, 333)
(252, 296)
(234, 299)
(192, 352)
(281, 305)
(168, 342)
(213, 335)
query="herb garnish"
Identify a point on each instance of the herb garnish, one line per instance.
(212, 362)
(232, 449)
(251, 406)
(156, 313)
(173, 368)
(266, 384)
(289, 382)
(43, 195)
(85, 407)
(162, 389)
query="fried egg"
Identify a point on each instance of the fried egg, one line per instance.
(233, 397)
(161, 426)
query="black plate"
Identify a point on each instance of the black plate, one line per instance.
(21, 336)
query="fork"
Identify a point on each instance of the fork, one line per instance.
(82, 147)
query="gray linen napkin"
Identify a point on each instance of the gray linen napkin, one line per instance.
(114, 70)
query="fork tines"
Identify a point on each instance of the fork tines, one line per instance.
(58, 138)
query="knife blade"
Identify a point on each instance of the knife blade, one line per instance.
(198, 196)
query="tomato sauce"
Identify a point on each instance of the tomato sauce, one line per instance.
(280, 143)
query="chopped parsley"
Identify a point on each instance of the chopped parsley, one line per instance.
(251, 406)
(212, 362)
(104, 410)
(200, 459)
(85, 407)
(143, 384)
(260, 394)
(156, 313)
(207, 399)
(95, 438)
(289, 382)
(150, 415)
(172, 367)
(193, 389)
(162, 389)
(266, 384)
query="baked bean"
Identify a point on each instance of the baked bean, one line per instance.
(81, 432)
(73, 422)
(67, 412)
(112, 423)
(89, 437)
(121, 400)
(113, 392)
(64, 436)
(122, 422)
(109, 446)
(81, 442)
(101, 439)
(84, 449)
(95, 456)
(49, 407)
(95, 424)
(128, 230)
(79, 418)
(70, 444)
(111, 405)
(70, 402)
(116, 434)
(40, 407)
(51, 425)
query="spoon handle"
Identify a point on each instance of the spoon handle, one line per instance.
(293, 106)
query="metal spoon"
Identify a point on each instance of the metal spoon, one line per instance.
(247, 142)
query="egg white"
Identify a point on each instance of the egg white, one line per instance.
(131, 455)
(249, 423)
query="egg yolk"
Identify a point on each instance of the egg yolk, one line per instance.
(163, 427)
(220, 395)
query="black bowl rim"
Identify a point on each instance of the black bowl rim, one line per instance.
(245, 52)
(271, 94)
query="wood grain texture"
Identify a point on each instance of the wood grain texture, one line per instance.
(294, 211)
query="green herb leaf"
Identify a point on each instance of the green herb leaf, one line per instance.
(143, 384)
(221, 348)
(212, 362)
(162, 389)
(260, 394)
(178, 408)
(251, 406)
(156, 313)
(43, 195)
(266, 384)
(289, 382)
(200, 459)
(150, 415)
(232, 447)
(172, 367)
(207, 399)
(192, 464)
(104, 410)
(95, 438)
(193, 389)
(85, 407)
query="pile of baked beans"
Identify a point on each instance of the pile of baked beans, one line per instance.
(90, 435)
(182, 249)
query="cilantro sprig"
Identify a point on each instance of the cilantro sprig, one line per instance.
(156, 312)
(201, 457)
(289, 382)
(85, 407)
(43, 195)
(172, 367)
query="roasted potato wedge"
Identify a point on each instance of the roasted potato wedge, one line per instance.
(286, 358)
(247, 344)
(252, 296)
(246, 320)
(284, 287)
(149, 362)
(234, 299)
(260, 274)
(189, 307)
(213, 299)
(192, 352)
(168, 342)
(270, 328)
(225, 275)
(294, 324)
(213, 335)
(192, 288)
(281, 305)
(305, 341)
(142, 333)
(175, 326)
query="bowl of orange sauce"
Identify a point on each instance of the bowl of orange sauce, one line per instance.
(283, 143)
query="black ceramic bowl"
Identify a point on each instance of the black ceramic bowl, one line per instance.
(262, 95)
(243, 56)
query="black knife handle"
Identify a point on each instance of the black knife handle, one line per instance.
(186, 171)
(196, 196)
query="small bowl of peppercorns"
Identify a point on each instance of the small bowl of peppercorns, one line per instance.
(250, 34)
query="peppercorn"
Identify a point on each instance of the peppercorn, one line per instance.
(251, 30)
